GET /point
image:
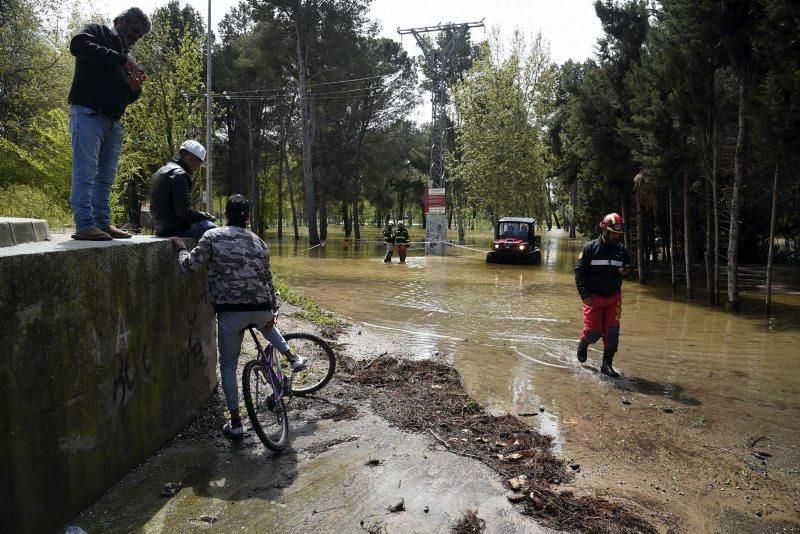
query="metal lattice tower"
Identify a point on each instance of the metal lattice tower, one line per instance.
(438, 61)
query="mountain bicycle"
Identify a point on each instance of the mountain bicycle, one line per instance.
(265, 388)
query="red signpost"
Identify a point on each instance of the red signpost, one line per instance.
(435, 201)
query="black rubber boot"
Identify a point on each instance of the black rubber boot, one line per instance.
(583, 348)
(608, 359)
(388, 257)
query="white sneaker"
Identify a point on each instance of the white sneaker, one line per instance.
(232, 432)
(299, 363)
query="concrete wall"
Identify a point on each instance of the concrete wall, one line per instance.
(108, 351)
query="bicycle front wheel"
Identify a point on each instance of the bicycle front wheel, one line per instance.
(321, 362)
(267, 415)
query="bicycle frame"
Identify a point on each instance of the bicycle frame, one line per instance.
(274, 372)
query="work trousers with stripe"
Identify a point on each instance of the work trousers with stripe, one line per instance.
(601, 319)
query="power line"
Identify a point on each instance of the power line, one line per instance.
(244, 95)
(310, 86)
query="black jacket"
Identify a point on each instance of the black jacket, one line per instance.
(100, 81)
(388, 235)
(597, 269)
(401, 236)
(170, 207)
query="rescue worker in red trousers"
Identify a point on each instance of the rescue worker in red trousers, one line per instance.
(598, 276)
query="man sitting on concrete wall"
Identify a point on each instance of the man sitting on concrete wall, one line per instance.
(240, 283)
(170, 205)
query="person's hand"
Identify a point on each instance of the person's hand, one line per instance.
(137, 78)
(587, 301)
(130, 66)
(177, 243)
(208, 216)
(625, 270)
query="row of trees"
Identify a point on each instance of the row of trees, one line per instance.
(308, 87)
(687, 121)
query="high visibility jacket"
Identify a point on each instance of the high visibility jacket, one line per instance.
(401, 236)
(597, 268)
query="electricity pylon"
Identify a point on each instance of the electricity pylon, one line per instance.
(438, 61)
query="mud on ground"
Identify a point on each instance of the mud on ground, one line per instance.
(390, 445)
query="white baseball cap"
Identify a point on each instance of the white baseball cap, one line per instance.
(196, 149)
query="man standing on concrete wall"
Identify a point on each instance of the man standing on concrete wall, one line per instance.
(170, 206)
(106, 80)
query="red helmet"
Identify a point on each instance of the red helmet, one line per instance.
(613, 223)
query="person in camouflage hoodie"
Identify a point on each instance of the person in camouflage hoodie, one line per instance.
(241, 290)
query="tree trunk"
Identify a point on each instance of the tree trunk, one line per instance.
(302, 57)
(640, 232)
(134, 208)
(736, 193)
(357, 219)
(255, 198)
(355, 195)
(348, 227)
(715, 155)
(459, 191)
(709, 242)
(627, 232)
(280, 197)
(687, 236)
(281, 157)
(672, 241)
(547, 206)
(773, 215)
(290, 186)
(664, 231)
(401, 200)
(323, 210)
(574, 204)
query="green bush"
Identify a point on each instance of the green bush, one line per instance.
(20, 200)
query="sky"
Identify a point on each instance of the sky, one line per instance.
(570, 26)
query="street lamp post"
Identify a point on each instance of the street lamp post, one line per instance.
(209, 125)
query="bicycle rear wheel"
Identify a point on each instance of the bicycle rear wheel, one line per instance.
(321, 362)
(267, 416)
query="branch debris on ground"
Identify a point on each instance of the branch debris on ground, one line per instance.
(469, 523)
(428, 397)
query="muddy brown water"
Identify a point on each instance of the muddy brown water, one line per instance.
(702, 427)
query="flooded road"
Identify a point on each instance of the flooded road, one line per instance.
(702, 426)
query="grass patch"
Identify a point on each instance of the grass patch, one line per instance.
(308, 308)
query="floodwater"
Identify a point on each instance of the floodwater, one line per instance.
(701, 429)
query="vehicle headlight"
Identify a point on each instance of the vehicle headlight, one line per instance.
(497, 245)
(522, 247)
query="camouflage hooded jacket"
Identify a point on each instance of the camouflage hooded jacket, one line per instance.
(239, 277)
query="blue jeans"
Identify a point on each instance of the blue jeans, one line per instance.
(229, 341)
(96, 145)
(198, 229)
